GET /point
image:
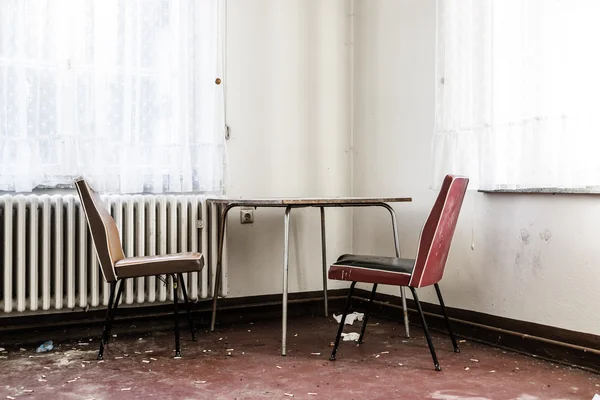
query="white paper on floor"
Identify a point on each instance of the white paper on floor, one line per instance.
(350, 318)
(352, 337)
(596, 397)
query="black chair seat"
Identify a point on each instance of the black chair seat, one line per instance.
(391, 264)
(372, 269)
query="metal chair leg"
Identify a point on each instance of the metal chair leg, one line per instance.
(439, 294)
(114, 308)
(427, 336)
(107, 320)
(187, 306)
(341, 328)
(175, 301)
(367, 314)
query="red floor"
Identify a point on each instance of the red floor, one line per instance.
(242, 362)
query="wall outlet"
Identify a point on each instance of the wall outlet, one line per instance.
(246, 216)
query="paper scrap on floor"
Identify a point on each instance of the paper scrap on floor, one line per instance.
(352, 336)
(350, 318)
(596, 397)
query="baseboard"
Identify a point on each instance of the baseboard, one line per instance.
(546, 342)
(25, 329)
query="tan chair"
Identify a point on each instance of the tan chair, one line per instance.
(116, 268)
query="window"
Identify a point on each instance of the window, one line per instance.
(518, 92)
(121, 92)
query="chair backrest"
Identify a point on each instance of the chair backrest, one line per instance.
(437, 232)
(103, 228)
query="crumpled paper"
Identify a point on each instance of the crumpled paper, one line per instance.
(350, 318)
(350, 337)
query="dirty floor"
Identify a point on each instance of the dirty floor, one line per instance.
(243, 362)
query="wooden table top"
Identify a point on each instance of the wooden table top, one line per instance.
(306, 201)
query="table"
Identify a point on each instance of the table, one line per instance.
(224, 205)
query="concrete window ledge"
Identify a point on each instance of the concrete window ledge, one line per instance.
(586, 191)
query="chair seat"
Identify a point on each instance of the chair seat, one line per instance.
(133, 267)
(372, 269)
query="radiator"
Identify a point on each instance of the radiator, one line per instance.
(49, 261)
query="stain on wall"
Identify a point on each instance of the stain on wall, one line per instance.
(531, 251)
(525, 236)
(546, 235)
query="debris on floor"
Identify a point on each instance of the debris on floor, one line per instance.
(350, 318)
(45, 347)
(354, 375)
(350, 337)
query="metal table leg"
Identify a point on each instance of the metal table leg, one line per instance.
(222, 212)
(286, 263)
(397, 247)
(405, 311)
(324, 255)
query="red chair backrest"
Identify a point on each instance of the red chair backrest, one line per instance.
(437, 232)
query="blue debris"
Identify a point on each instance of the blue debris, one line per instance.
(47, 346)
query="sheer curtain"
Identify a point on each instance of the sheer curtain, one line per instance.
(121, 92)
(517, 93)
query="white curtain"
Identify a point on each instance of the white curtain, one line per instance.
(121, 92)
(517, 93)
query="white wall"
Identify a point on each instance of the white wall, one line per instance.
(288, 86)
(288, 80)
(534, 257)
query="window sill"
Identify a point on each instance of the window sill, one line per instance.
(553, 191)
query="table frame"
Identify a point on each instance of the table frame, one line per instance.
(224, 205)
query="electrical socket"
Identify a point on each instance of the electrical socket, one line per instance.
(246, 216)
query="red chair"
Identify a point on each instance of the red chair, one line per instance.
(427, 269)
